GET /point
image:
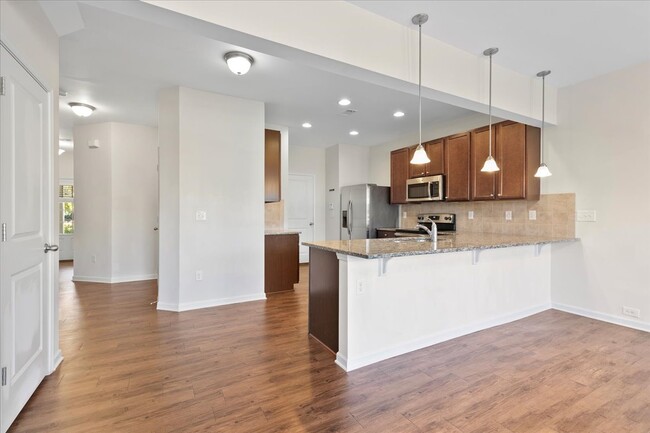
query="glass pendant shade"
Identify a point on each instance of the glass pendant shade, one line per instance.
(543, 171)
(420, 156)
(490, 165)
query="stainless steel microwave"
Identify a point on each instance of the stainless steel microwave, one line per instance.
(429, 188)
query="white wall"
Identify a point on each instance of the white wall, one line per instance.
(601, 151)
(211, 159)
(25, 29)
(134, 202)
(66, 165)
(92, 167)
(311, 160)
(379, 171)
(116, 203)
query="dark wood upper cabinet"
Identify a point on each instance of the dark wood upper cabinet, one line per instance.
(482, 183)
(399, 173)
(436, 153)
(457, 166)
(272, 162)
(511, 159)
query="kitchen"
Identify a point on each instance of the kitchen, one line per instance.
(583, 277)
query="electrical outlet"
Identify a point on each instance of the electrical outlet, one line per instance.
(586, 216)
(201, 215)
(199, 275)
(470, 215)
(404, 215)
(632, 312)
(508, 215)
(532, 215)
(93, 258)
(361, 286)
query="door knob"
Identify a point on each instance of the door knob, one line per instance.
(49, 248)
(155, 229)
(311, 224)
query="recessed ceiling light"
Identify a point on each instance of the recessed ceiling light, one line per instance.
(306, 125)
(81, 110)
(344, 102)
(398, 114)
(239, 63)
(354, 132)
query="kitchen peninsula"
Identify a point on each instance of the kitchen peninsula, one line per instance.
(372, 299)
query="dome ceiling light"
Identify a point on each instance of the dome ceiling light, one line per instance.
(81, 109)
(239, 63)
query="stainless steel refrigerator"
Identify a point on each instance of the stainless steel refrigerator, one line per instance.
(364, 208)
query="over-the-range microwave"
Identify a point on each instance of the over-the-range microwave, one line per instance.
(430, 188)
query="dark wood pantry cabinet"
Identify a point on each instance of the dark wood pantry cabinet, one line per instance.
(272, 162)
(399, 171)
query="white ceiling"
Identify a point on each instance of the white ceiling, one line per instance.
(577, 40)
(118, 64)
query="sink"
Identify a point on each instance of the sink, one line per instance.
(412, 240)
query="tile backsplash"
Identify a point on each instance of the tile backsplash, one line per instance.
(274, 215)
(555, 215)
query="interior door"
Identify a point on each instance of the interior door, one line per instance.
(25, 277)
(300, 210)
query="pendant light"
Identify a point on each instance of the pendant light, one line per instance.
(543, 170)
(420, 156)
(490, 165)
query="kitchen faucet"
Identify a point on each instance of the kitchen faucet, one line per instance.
(433, 232)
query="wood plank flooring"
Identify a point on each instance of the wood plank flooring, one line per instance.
(251, 368)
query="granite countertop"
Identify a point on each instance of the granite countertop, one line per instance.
(276, 232)
(398, 247)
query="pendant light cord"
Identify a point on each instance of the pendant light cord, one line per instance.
(541, 155)
(490, 110)
(420, 80)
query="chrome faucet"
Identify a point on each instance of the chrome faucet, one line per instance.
(432, 232)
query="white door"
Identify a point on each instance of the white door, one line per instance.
(25, 200)
(300, 210)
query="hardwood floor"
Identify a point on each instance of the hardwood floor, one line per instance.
(251, 368)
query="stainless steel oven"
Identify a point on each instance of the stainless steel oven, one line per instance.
(429, 188)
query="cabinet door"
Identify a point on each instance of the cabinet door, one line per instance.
(399, 166)
(271, 165)
(482, 183)
(457, 167)
(436, 153)
(415, 170)
(511, 158)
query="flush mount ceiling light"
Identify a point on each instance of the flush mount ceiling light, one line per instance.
(490, 165)
(420, 156)
(398, 114)
(354, 132)
(345, 102)
(81, 110)
(542, 170)
(239, 63)
(306, 125)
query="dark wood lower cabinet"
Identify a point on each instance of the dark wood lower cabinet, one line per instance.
(324, 297)
(281, 258)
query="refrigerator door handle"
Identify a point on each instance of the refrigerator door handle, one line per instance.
(350, 219)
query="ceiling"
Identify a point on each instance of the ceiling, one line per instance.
(121, 71)
(577, 40)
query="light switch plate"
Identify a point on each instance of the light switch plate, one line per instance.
(470, 215)
(508, 215)
(532, 215)
(201, 215)
(586, 216)
(199, 275)
(331, 206)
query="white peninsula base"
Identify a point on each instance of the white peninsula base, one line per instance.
(391, 306)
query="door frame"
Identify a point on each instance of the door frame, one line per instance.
(313, 183)
(50, 309)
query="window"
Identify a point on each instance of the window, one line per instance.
(66, 209)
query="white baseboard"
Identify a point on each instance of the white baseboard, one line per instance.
(188, 306)
(114, 280)
(58, 359)
(605, 317)
(420, 343)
